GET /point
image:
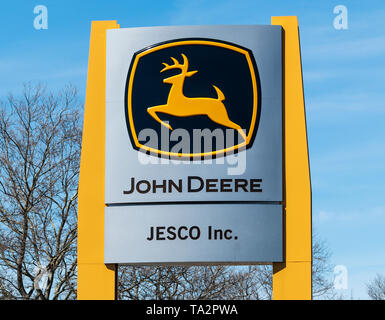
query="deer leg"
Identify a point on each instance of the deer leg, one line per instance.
(153, 110)
(222, 118)
(234, 126)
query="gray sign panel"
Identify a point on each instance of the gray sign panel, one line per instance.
(183, 210)
(193, 234)
(254, 174)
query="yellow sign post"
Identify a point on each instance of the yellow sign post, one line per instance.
(95, 279)
(291, 279)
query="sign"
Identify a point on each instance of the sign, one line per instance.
(194, 145)
(195, 233)
(231, 66)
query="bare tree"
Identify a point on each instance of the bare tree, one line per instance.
(191, 283)
(322, 270)
(40, 139)
(376, 288)
(218, 282)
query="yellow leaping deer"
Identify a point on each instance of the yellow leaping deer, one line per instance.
(181, 106)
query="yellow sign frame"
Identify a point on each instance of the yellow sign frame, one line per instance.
(96, 281)
(292, 278)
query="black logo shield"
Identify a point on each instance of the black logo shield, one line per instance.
(193, 84)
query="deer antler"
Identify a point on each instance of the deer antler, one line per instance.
(177, 65)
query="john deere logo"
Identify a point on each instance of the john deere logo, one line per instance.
(198, 85)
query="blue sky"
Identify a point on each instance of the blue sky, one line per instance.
(344, 81)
